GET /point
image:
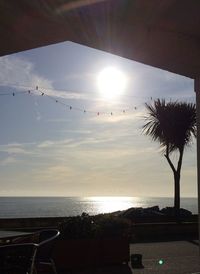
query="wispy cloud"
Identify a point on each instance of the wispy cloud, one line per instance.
(117, 117)
(7, 161)
(55, 143)
(16, 148)
(22, 74)
(64, 94)
(80, 76)
(17, 71)
(56, 173)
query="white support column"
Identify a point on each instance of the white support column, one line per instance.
(197, 90)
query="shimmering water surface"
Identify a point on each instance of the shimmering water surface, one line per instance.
(16, 207)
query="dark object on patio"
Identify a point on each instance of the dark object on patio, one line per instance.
(136, 261)
(47, 240)
(17, 258)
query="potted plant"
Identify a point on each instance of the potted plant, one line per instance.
(92, 240)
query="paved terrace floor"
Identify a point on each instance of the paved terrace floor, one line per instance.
(179, 257)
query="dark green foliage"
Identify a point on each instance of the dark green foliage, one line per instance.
(111, 226)
(78, 227)
(100, 226)
(172, 124)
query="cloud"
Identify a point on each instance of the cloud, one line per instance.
(63, 145)
(8, 161)
(79, 76)
(58, 174)
(46, 144)
(78, 131)
(15, 148)
(64, 94)
(21, 74)
(117, 117)
(18, 71)
(55, 144)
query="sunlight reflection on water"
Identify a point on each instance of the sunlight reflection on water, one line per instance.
(111, 204)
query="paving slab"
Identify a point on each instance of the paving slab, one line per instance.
(179, 257)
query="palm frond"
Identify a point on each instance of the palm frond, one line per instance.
(172, 124)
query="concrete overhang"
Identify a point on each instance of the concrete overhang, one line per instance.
(160, 33)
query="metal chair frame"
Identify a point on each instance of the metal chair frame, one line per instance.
(46, 243)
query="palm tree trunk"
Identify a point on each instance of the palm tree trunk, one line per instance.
(177, 193)
(177, 176)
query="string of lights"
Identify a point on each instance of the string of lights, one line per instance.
(42, 92)
(70, 107)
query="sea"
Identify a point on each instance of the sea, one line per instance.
(27, 207)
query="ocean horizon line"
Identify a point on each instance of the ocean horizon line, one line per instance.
(60, 206)
(93, 196)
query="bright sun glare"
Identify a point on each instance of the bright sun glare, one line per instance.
(111, 82)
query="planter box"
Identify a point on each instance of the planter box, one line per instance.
(114, 251)
(80, 253)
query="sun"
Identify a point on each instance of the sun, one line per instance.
(111, 82)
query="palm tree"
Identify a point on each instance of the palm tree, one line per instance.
(173, 125)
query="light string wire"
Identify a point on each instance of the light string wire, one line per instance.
(31, 90)
(40, 91)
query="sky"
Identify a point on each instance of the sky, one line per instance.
(96, 147)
